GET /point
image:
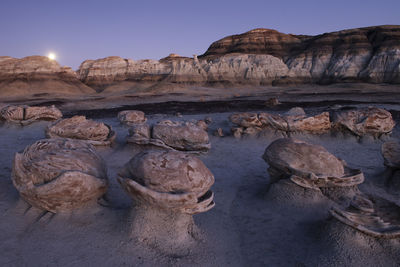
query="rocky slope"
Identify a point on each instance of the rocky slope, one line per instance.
(38, 76)
(265, 57)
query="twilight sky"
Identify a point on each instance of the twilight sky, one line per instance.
(91, 29)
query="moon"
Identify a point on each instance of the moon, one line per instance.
(51, 56)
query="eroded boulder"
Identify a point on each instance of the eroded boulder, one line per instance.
(78, 127)
(175, 135)
(26, 114)
(312, 166)
(132, 117)
(295, 120)
(168, 187)
(367, 121)
(59, 174)
(380, 220)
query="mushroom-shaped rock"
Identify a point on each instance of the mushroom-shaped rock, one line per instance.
(168, 187)
(26, 114)
(368, 121)
(380, 220)
(132, 117)
(78, 127)
(59, 174)
(309, 166)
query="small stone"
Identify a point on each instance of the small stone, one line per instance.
(219, 132)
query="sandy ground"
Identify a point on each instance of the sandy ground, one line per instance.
(249, 226)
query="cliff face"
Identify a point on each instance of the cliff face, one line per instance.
(264, 56)
(36, 75)
(365, 54)
(232, 68)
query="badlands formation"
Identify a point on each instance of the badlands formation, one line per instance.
(269, 149)
(260, 57)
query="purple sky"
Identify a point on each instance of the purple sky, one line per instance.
(79, 30)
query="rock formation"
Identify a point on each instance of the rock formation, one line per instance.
(78, 127)
(309, 166)
(250, 69)
(379, 220)
(184, 136)
(369, 54)
(368, 121)
(25, 114)
(257, 57)
(59, 174)
(168, 188)
(313, 167)
(265, 57)
(295, 120)
(36, 76)
(131, 117)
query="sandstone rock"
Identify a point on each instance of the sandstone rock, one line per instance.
(139, 134)
(252, 69)
(267, 57)
(257, 57)
(368, 121)
(202, 124)
(380, 221)
(237, 132)
(219, 132)
(365, 54)
(130, 117)
(181, 136)
(78, 127)
(309, 166)
(170, 180)
(314, 124)
(294, 120)
(257, 41)
(25, 114)
(245, 119)
(274, 121)
(59, 174)
(175, 135)
(391, 154)
(168, 188)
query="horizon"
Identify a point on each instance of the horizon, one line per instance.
(77, 31)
